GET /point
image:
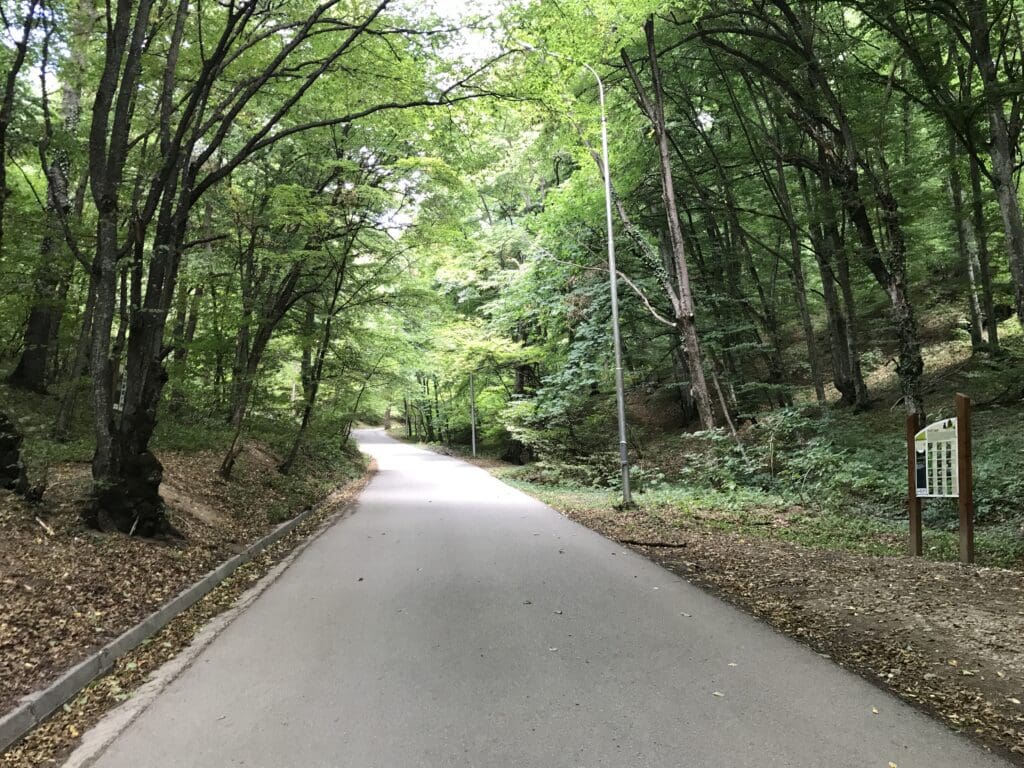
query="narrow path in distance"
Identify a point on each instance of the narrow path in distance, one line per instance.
(454, 621)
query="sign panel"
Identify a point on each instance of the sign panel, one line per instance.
(935, 449)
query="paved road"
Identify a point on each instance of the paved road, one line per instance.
(454, 622)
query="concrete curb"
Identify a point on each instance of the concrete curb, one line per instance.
(34, 708)
(97, 739)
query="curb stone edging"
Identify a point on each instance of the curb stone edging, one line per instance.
(36, 707)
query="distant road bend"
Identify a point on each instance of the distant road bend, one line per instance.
(455, 622)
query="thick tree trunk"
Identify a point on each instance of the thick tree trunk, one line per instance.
(125, 481)
(138, 506)
(55, 366)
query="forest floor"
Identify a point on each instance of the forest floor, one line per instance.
(945, 637)
(66, 589)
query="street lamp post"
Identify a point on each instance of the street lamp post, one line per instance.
(472, 413)
(613, 275)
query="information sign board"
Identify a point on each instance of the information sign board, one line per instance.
(936, 454)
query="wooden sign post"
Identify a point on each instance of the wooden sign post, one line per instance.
(939, 466)
(965, 473)
(914, 504)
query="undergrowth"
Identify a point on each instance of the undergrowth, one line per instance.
(324, 460)
(824, 477)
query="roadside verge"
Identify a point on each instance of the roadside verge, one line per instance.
(83, 695)
(945, 637)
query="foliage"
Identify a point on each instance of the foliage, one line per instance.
(392, 222)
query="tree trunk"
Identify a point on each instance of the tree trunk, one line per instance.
(841, 343)
(687, 407)
(53, 272)
(124, 483)
(12, 468)
(685, 316)
(313, 377)
(837, 255)
(30, 372)
(991, 322)
(861, 399)
(10, 89)
(79, 368)
(306, 364)
(796, 271)
(965, 246)
(1001, 147)
(892, 278)
(184, 334)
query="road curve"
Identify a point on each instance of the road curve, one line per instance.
(455, 622)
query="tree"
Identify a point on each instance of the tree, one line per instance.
(681, 294)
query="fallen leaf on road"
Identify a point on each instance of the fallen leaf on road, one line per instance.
(718, 693)
(874, 710)
(552, 649)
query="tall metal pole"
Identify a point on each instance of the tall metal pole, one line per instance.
(472, 413)
(965, 478)
(613, 277)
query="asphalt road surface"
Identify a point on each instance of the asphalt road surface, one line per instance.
(453, 621)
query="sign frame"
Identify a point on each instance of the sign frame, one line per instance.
(956, 458)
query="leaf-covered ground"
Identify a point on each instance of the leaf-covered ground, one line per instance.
(945, 637)
(66, 589)
(49, 744)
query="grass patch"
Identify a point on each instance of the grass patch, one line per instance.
(747, 512)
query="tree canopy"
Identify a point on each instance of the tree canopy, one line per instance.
(316, 213)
